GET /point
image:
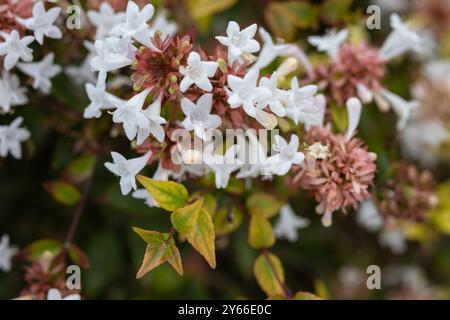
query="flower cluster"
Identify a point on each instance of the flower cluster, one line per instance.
(358, 70)
(16, 18)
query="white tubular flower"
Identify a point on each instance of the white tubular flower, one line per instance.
(152, 113)
(277, 98)
(300, 105)
(131, 115)
(287, 155)
(108, 57)
(239, 42)
(127, 170)
(330, 42)
(7, 252)
(15, 48)
(394, 240)
(400, 106)
(289, 223)
(400, 40)
(197, 72)
(161, 23)
(223, 165)
(253, 155)
(55, 294)
(270, 51)
(198, 115)
(244, 92)
(41, 72)
(354, 114)
(42, 22)
(369, 217)
(11, 136)
(105, 19)
(136, 24)
(11, 93)
(100, 99)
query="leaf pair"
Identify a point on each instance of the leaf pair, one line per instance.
(160, 248)
(194, 222)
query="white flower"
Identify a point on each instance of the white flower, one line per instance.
(11, 137)
(135, 25)
(105, 20)
(239, 42)
(400, 40)
(244, 92)
(354, 114)
(289, 223)
(11, 93)
(41, 72)
(127, 170)
(55, 294)
(393, 239)
(420, 140)
(330, 42)
(270, 51)
(253, 155)
(197, 72)
(368, 216)
(112, 54)
(42, 22)
(155, 123)
(82, 73)
(198, 115)
(223, 165)
(278, 97)
(287, 155)
(318, 151)
(401, 107)
(15, 48)
(161, 23)
(6, 253)
(100, 99)
(300, 105)
(130, 114)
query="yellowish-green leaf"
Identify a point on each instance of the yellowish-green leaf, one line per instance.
(226, 221)
(264, 204)
(184, 219)
(321, 289)
(63, 192)
(168, 194)
(269, 273)
(202, 8)
(440, 215)
(161, 248)
(303, 295)
(235, 186)
(260, 233)
(203, 236)
(210, 204)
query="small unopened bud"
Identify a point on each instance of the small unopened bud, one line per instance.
(173, 78)
(172, 90)
(222, 65)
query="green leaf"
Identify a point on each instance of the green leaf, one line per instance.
(168, 194)
(37, 248)
(81, 168)
(210, 204)
(202, 8)
(203, 236)
(263, 203)
(284, 18)
(184, 219)
(269, 273)
(226, 222)
(260, 233)
(337, 11)
(161, 248)
(63, 192)
(303, 295)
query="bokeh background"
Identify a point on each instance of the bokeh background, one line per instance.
(329, 262)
